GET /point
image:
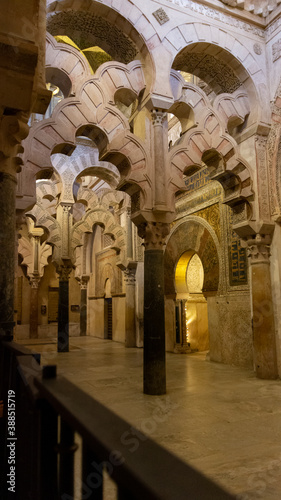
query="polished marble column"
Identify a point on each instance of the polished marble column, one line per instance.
(154, 369)
(33, 322)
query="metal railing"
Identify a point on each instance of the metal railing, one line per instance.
(51, 411)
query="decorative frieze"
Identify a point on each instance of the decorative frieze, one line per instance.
(225, 19)
(262, 177)
(273, 169)
(255, 6)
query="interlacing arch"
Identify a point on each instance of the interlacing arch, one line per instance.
(190, 102)
(26, 250)
(66, 67)
(223, 60)
(48, 190)
(208, 142)
(42, 218)
(81, 114)
(104, 218)
(136, 26)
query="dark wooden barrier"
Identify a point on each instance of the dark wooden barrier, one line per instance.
(21, 382)
(51, 411)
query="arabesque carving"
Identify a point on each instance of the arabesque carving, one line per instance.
(89, 30)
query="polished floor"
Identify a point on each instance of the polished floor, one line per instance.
(219, 418)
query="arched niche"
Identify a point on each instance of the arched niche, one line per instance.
(192, 237)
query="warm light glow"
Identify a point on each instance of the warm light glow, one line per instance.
(180, 275)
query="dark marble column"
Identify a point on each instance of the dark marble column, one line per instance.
(7, 253)
(33, 322)
(154, 364)
(264, 342)
(63, 312)
(13, 130)
(130, 313)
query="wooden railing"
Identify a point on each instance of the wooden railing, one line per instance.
(51, 412)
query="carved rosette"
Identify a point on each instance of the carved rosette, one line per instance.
(154, 234)
(258, 248)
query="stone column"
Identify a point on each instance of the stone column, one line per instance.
(33, 321)
(63, 313)
(12, 132)
(154, 363)
(83, 306)
(264, 342)
(160, 143)
(130, 314)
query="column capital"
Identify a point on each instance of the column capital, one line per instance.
(258, 248)
(154, 234)
(34, 281)
(83, 282)
(130, 275)
(261, 141)
(64, 271)
(13, 129)
(158, 117)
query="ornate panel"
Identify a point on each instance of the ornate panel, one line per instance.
(237, 256)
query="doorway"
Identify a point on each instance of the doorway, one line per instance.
(191, 313)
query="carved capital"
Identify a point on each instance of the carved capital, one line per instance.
(34, 281)
(258, 248)
(83, 282)
(64, 271)
(66, 208)
(261, 142)
(158, 117)
(13, 130)
(154, 234)
(130, 276)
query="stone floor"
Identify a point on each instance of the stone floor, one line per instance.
(219, 418)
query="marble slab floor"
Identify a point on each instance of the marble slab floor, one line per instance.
(220, 419)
